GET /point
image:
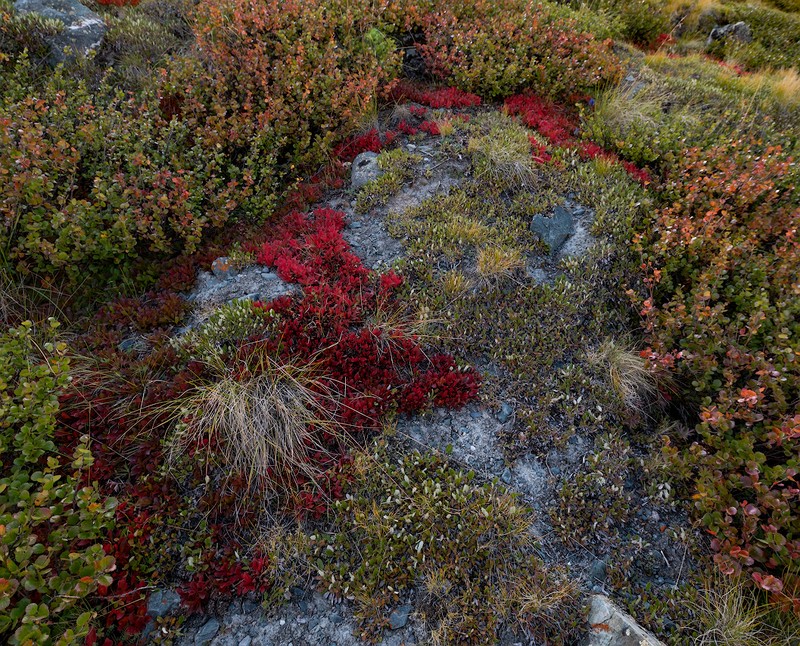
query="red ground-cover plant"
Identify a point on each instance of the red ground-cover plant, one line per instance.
(379, 369)
(445, 97)
(339, 324)
(370, 141)
(721, 262)
(559, 126)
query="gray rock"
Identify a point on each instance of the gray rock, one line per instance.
(208, 631)
(506, 476)
(505, 413)
(554, 230)
(737, 31)
(249, 606)
(162, 602)
(598, 571)
(610, 626)
(336, 619)
(246, 641)
(399, 618)
(128, 345)
(223, 268)
(364, 169)
(83, 28)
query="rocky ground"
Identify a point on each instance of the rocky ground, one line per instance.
(473, 436)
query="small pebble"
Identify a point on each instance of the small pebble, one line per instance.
(506, 477)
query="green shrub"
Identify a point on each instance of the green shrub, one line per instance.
(142, 37)
(398, 168)
(677, 103)
(595, 502)
(103, 180)
(24, 33)
(418, 522)
(496, 48)
(51, 524)
(93, 181)
(723, 310)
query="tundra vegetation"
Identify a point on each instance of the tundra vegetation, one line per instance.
(650, 365)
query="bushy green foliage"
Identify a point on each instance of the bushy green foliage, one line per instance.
(641, 21)
(498, 47)
(419, 522)
(21, 33)
(51, 522)
(102, 179)
(141, 38)
(227, 326)
(94, 180)
(677, 103)
(723, 309)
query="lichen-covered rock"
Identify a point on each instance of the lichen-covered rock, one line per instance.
(364, 169)
(737, 31)
(83, 28)
(610, 626)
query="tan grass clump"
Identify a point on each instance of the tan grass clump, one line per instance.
(260, 424)
(495, 263)
(728, 614)
(502, 154)
(627, 371)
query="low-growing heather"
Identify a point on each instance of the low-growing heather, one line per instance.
(417, 522)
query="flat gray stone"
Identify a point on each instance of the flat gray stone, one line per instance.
(223, 268)
(554, 230)
(364, 169)
(83, 28)
(162, 602)
(208, 631)
(399, 618)
(611, 626)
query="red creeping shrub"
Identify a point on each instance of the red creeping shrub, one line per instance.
(371, 141)
(546, 117)
(431, 127)
(151, 311)
(406, 128)
(378, 368)
(446, 97)
(560, 127)
(722, 263)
